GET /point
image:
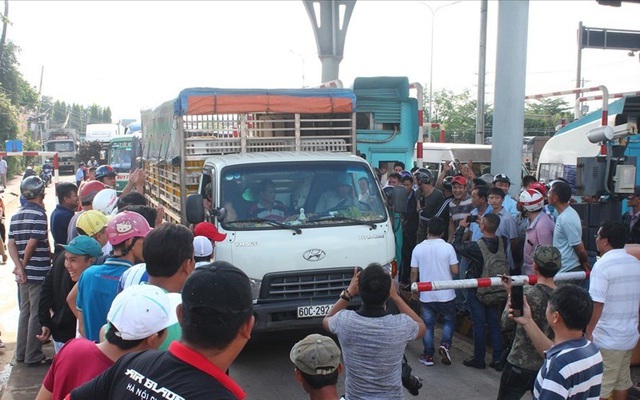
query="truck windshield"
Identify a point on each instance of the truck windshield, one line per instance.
(300, 195)
(61, 146)
(120, 158)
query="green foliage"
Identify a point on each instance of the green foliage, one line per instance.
(12, 82)
(457, 112)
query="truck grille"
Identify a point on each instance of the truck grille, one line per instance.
(305, 284)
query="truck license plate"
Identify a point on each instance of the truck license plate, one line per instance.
(313, 311)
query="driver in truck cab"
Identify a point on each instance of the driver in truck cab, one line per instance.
(267, 206)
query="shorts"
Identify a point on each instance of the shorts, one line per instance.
(617, 371)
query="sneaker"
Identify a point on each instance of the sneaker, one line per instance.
(444, 353)
(426, 360)
(473, 363)
(496, 365)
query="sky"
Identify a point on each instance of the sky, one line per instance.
(132, 55)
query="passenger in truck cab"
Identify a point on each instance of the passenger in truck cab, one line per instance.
(267, 206)
(339, 199)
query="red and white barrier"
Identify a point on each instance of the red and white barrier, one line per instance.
(518, 280)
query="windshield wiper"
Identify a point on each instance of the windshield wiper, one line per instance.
(269, 221)
(330, 217)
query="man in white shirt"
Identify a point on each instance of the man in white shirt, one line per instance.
(614, 284)
(436, 260)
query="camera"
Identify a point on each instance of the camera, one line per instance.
(472, 218)
(411, 382)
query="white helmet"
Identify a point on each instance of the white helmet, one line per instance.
(531, 200)
(106, 201)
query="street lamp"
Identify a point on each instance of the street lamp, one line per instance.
(433, 23)
(302, 60)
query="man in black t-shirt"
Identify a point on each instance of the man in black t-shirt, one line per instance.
(216, 317)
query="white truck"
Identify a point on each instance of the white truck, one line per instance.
(65, 143)
(275, 170)
(102, 133)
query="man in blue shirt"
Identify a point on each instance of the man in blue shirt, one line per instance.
(80, 174)
(503, 182)
(67, 193)
(29, 249)
(98, 285)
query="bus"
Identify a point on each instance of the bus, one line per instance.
(123, 155)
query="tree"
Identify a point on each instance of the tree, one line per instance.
(457, 112)
(542, 116)
(12, 82)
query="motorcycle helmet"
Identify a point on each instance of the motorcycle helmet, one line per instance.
(106, 201)
(31, 187)
(447, 183)
(423, 175)
(539, 187)
(127, 225)
(531, 200)
(89, 190)
(104, 171)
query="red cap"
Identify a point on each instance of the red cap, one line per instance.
(209, 230)
(460, 180)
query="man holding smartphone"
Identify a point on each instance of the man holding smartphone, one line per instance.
(524, 361)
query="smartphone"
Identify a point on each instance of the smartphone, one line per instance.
(517, 300)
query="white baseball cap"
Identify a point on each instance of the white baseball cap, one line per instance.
(202, 247)
(139, 311)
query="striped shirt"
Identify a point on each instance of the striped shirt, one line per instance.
(30, 222)
(571, 370)
(459, 211)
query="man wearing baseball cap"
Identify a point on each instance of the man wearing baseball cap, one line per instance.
(55, 316)
(138, 320)
(503, 182)
(317, 361)
(524, 361)
(216, 316)
(202, 250)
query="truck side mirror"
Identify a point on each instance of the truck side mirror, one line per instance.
(195, 208)
(399, 197)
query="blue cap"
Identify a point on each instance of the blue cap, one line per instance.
(84, 246)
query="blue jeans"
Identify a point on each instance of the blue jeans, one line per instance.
(430, 313)
(481, 316)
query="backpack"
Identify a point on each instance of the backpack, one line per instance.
(494, 264)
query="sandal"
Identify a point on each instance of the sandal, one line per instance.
(43, 361)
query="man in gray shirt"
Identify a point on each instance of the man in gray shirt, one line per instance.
(373, 362)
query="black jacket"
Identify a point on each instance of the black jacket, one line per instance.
(53, 311)
(633, 236)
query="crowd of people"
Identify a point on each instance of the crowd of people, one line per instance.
(145, 307)
(460, 226)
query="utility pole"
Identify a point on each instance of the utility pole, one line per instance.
(39, 126)
(481, 73)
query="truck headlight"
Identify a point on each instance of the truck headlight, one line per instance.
(255, 287)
